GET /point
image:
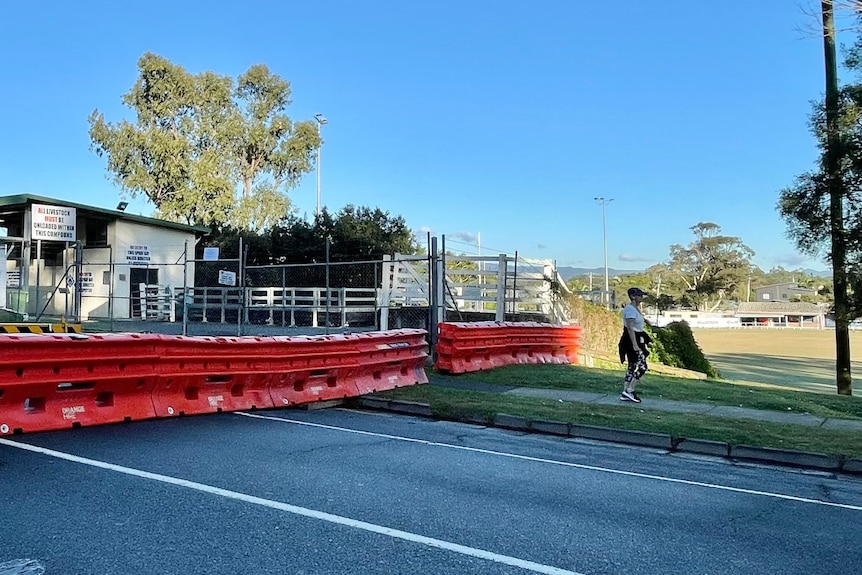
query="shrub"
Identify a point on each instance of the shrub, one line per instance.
(601, 328)
(675, 345)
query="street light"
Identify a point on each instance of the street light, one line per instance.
(604, 202)
(321, 120)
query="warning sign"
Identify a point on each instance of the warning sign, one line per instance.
(55, 223)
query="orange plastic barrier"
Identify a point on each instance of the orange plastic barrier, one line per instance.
(57, 381)
(464, 347)
(67, 380)
(313, 368)
(211, 374)
(390, 359)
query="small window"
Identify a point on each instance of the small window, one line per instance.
(52, 253)
(95, 233)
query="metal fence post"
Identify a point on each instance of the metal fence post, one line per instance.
(186, 288)
(386, 280)
(432, 308)
(515, 286)
(79, 268)
(111, 287)
(500, 314)
(327, 286)
(242, 311)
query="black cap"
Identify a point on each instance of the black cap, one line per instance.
(635, 291)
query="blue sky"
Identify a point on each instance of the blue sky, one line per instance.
(468, 117)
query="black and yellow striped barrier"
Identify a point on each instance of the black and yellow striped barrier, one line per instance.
(40, 328)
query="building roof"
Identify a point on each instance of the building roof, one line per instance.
(788, 285)
(27, 199)
(752, 308)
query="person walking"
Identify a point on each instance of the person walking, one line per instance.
(634, 345)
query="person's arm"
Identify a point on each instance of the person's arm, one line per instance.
(630, 328)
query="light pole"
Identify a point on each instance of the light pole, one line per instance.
(321, 120)
(604, 202)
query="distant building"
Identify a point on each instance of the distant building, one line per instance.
(781, 314)
(783, 292)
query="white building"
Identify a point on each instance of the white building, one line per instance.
(84, 262)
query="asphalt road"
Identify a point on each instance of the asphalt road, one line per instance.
(349, 492)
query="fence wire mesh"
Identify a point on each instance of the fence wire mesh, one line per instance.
(225, 297)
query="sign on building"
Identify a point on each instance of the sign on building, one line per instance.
(13, 278)
(138, 255)
(86, 282)
(54, 223)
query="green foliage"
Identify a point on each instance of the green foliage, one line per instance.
(675, 345)
(206, 150)
(355, 233)
(805, 204)
(600, 328)
(712, 267)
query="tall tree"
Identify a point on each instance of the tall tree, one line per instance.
(711, 267)
(206, 150)
(355, 233)
(822, 208)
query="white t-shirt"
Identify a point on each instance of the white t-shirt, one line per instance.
(631, 312)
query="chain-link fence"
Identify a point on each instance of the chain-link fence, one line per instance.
(222, 296)
(334, 295)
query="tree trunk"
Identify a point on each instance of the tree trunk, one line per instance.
(836, 206)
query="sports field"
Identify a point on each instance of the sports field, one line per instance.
(799, 358)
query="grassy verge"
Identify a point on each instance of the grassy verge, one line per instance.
(454, 404)
(770, 397)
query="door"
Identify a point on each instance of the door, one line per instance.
(138, 276)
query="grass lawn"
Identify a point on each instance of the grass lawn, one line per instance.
(804, 359)
(453, 404)
(766, 369)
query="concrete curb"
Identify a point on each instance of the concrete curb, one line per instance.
(785, 457)
(799, 459)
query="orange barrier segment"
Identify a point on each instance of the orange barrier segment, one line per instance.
(58, 381)
(391, 359)
(464, 347)
(308, 369)
(211, 374)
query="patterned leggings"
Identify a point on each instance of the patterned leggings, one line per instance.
(636, 370)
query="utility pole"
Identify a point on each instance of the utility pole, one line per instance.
(321, 120)
(835, 186)
(604, 202)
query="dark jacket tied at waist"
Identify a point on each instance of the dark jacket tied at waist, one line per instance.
(627, 351)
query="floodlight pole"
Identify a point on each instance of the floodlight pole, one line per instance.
(604, 202)
(321, 120)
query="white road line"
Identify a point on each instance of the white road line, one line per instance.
(304, 512)
(562, 463)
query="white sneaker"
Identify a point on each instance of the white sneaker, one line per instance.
(629, 396)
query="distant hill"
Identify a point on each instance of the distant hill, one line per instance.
(568, 273)
(819, 273)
